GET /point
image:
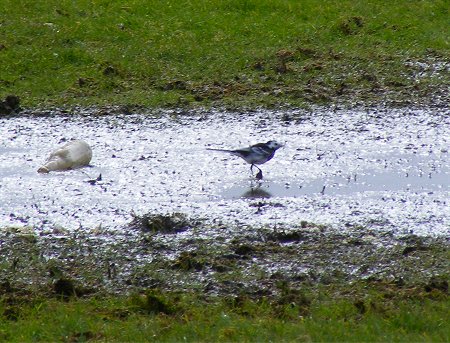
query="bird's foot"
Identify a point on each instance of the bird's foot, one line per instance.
(259, 175)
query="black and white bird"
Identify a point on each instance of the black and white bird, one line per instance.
(256, 154)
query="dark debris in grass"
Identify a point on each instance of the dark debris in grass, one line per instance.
(158, 223)
(154, 301)
(10, 105)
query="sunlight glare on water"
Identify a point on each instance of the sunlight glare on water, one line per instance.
(339, 167)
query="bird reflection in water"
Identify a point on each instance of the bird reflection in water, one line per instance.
(255, 191)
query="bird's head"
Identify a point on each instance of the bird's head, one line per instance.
(274, 145)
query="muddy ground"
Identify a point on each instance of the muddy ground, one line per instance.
(255, 263)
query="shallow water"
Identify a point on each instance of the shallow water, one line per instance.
(385, 170)
(420, 175)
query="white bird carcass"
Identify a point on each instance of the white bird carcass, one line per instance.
(74, 154)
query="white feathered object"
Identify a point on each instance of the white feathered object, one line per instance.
(74, 154)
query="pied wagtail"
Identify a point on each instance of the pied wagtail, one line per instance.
(256, 154)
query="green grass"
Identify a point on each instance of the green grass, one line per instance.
(377, 314)
(237, 53)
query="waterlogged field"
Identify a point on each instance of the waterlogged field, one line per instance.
(159, 239)
(349, 226)
(385, 170)
(345, 185)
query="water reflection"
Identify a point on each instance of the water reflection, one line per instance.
(256, 192)
(332, 185)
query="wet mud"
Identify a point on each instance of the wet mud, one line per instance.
(253, 263)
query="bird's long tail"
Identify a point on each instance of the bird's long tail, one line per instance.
(223, 150)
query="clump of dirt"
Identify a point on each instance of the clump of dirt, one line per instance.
(292, 299)
(154, 302)
(352, 25)
(5, 287)
(286, 236)
(159, 223)
(64, 288)
(84, 336)
(10, 105)
(437, 284)
(245, 250)
(189, 261)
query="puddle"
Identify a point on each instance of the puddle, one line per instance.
(423, 174)
(385, 169)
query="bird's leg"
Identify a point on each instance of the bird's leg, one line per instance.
(254, 165)
(259, 174)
